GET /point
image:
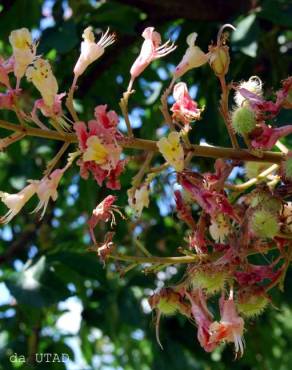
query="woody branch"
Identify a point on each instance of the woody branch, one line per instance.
(142, 144)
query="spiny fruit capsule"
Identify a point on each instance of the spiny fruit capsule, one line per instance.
(266, 201)
(288, 168)
(264, 224)
(252, 305)
(243, 120)
(211, 282)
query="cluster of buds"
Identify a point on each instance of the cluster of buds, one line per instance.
(229, 223)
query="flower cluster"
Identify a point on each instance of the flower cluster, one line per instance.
(226, 221)
(100, 149)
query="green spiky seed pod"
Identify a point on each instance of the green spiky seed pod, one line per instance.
(252, 169)
(211, 282)
(252, 306)
(167, 307)
(266, 201)
(288, 168)
(243, 120)
(264, 224)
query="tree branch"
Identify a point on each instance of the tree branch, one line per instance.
(142, 144)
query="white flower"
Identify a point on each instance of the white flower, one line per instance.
(24, 50)
(254, 85)
(46, 188)
(41, 75)
(172, 150)
(194, 57)
(139, 198)
(219, 229)
(90, 50)
(15, 202)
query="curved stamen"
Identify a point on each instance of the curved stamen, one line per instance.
(221, 31)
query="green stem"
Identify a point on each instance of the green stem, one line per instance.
(138, 178)
(159, 260)
(56, 159)
(69, 101)
(254, 180)
(225, 112)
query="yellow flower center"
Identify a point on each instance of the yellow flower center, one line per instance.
(95, 151)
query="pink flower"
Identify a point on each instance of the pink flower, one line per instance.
(151, 50)
(197, 240)
(255, 274)
(104, 211)
(217, 180)
(203, 319)
(99, 147)
(7, 99)
(185, 110)
(106, 119)
(6, 66)
(105, 248)
(267, 108)
(230, 328)
(265, 137)
(258, 104)
(47, 189)
(55, 110)
(211, 201)
(183, 211)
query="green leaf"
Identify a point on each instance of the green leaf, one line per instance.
(37, 285)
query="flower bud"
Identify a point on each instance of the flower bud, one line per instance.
(252, 305)
(264, 224)
(243, 120)
(219, 60)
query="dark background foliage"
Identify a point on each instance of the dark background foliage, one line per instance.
(46, 270)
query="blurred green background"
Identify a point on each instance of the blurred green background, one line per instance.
(55, 297)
